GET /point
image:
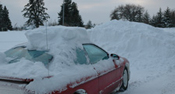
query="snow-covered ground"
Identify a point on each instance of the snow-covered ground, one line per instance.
(151, 52)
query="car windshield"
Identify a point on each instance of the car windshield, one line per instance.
(33, 55)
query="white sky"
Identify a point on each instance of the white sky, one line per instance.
(97, 11)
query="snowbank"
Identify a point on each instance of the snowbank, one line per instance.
(140, 43)
(150, 50)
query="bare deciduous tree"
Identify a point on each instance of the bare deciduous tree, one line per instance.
(128, 12)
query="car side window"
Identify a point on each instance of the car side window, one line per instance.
(81, 58)
(95, 53)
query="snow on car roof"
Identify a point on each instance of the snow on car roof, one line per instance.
(56, 36)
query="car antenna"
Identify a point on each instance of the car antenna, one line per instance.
(47, 48)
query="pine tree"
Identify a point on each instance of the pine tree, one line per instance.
(71, 14)
(173, 18)
(146, 18)
(35, 12)
(89, 25)
(6, 20)
(5, 23)
(139, 16)
(154, 21)
(167, 18)
(75, 17)
(66, 6)
(159, 22)
(1, 18)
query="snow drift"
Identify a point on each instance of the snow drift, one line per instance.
(140, 43)
(150, 50)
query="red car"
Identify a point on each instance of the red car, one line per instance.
(111, 72)
(111, 79)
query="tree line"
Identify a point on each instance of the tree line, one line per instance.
(137, 13)
(36, 14)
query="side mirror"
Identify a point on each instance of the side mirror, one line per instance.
(115, 56)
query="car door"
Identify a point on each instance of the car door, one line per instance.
(108, 71)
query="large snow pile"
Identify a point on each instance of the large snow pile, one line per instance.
(150, 50)
(56, 37)
(61, 43)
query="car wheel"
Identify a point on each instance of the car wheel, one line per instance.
(79, 93)
(125, 80)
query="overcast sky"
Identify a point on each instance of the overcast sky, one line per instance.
(97, 11)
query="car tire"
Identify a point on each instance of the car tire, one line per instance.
(80, 91)
(77, 93)
(125, 80)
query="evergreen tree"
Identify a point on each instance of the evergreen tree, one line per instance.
(89, 25)
(75, 17)
(71, 14)
(159, 22)
(67, 18)
(35, 12)
(5, 23)
(167, 18)
(173, 18)
(6, 20)
(1, 18)
(146, 18)
(139, 16)
(154, 21)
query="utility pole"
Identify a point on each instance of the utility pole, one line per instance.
(63, 13)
